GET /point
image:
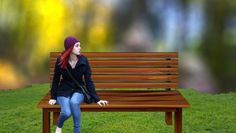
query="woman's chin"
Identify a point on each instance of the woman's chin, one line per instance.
(77, 53)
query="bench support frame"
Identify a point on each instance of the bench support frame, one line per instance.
(168, 116)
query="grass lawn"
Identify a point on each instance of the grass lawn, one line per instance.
(210, 113)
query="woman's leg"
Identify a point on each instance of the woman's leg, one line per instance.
(65, 110)
(75, 101)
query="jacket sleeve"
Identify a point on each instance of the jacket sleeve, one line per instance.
(89, 82)
(56, 79)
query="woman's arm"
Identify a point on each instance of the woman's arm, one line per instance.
(89, 82)
(56, 79)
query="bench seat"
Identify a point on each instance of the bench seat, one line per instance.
(129, 100)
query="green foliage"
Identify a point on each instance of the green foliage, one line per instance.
(209, 113)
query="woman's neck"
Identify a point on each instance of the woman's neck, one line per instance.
(73, 57)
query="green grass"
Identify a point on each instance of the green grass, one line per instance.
(209, 113)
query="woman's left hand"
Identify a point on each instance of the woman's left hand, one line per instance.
(102, 103)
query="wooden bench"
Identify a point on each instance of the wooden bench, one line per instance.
(151, 78)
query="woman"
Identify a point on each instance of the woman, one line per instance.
(67, 94)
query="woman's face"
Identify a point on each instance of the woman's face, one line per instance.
(76, 49)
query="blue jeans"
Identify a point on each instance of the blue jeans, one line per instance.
(70, 106)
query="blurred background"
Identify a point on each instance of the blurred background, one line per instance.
(202, 31)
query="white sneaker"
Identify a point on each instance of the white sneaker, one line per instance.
(58, 130)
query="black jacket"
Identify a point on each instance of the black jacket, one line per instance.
(66, 86)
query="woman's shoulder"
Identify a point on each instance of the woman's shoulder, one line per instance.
(83, 59)
(58, 60)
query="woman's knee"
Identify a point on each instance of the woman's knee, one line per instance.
(75, 102)
(66, 113)
(77, 98)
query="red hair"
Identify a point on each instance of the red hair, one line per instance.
(65, 55)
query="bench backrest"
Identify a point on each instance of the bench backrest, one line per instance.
(130, 69)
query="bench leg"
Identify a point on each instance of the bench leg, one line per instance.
(55, 117)
(178, 120)
(46, 121)
(168, 118)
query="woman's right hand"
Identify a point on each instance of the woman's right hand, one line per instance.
(52, 101)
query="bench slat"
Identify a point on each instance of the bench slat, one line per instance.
(161, 71)
(125, 54)
(129, 63)
(139, 98)
(118, 78)
(133, 93)
(136, 85)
